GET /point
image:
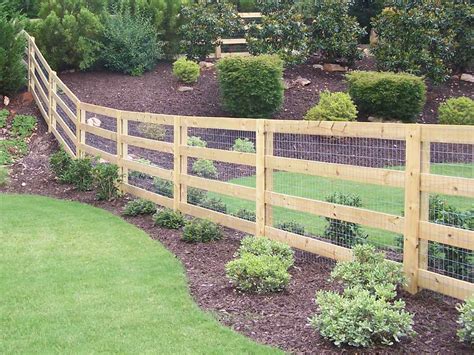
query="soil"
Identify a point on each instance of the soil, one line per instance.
(280, 319)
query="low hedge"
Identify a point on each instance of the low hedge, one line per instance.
(457, 111)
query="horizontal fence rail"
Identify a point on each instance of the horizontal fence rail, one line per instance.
(413, 146)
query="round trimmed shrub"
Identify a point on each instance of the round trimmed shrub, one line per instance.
(388, 95)
(243, 145)
(333, 106)
(246, 214)
(251, 86)
(169, 219)
(186, 71)
(202, 231)
(264, 246)
(60, 163)
(457, 111)
(466, 321)
(139, 207)
(292, 227)
(205, 168)
(195, 141)
(163, 187)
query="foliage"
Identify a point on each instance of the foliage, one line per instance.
(68, 32)
(460, 20)
(12, 47)
(205, 168)
(27, 8)
(11, 150)
(263, 246)
(203, 24)
(292, 227)
(243, 145)
(3, 117)
(334, 32)
(196, 196)
(251, 86)
(466, 321)
(346, 234)
(457, 111)
(201, 231)
(169, 219)
(23, 125)
(106, 180)
(163, 187)
(186, 71)
(282, 32)
(259, 274)
(138, 174)
(130, 43)
(139, 207)
(333, 106)
(387, 95)
(195, 141)
(4, 176)
(79, 174)
(361, 318)
(369, 270)
(152, 130)
(364, 11)
(214, 204)
(60, 163)
(246, 214)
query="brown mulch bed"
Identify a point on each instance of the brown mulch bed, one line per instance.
(281, 319)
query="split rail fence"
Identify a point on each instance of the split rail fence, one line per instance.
(67, 116)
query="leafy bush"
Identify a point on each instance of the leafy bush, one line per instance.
(152, 130)
(457, 111)
(361, 318)
(243, 145)
(60, 163)
(11, 150)
(292, 227)
(387, 95)
(138, 174)
(282, 32)
(194, 141)
(12, 47)
(251, 86)
(246, 214)
(333, 106)
(263, 246)
(139, 207)
(23, 125)
(203, 24)
(196, 196)
(369, 270)
(163, 187)
(334, 32)
(214, 204)
(3, 117)
(260, 274)
(202, 231)
(68, 32)
(28, 8)
(130, 43)
(346, 234)
(205, 168)
(79, 174)
(466, 321)
(170, 219)
(364, 11)
(186, 71)
(106, 179)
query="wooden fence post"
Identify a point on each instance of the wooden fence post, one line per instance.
(52, 101)
(121, 150)
(184, 163)
(260, 179)
(29, 63)
(177, 163)
(268, 177)
(424, 203)
(32, 68)
(81, 134)
(412, 207)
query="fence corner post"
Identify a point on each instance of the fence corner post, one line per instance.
(122, 149)
(412, 209)
(52, 100)
(260, 179)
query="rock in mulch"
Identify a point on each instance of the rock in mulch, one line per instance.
(329, 67)
(302, 81)
(318, 66)
(467, 77)
(94, 122)
(206, 65)
(185, 89)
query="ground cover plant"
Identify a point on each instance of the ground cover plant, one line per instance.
(23, 126)
(459, 111)
(466, 321)
(169, 219)
(201, 231)
(120, 278)
(139, 207)
(4, 176)
(3, 117)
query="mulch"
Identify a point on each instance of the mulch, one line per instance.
(280, 319)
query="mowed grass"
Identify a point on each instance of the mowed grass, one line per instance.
(76, 279)
(373, 197)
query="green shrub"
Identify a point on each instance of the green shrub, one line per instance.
(364, 11)
(292, 227)
(11, 150)
(457, 111)
(138, 174)
(23, 125)
(361, 318)
(106, 180)
(466, 321)
(263, 246)
(214, 204)
(3, 117)
(79, 174)
(12, 47)
(196, 196)
(369, 270)
(201, 231)
(152, 130)
(169, 219)
(139, 207)
(251, 86)
(334, 32)
(28, 8)
(243, 145)
(4, 176)
(163, 187)
(246, 214)
(194, 141)
(186, 71)
(259, 274)
(60, 162)
(346, 234)
(205, 168)
(387, 95)
(333, 106)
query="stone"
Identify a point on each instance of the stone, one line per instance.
(318, 66)
(6, 100)
(334, 68)
(374, 38)
(206, 65)
(367, 52)
(26, 98)
(287, 84)
(467, 77)
(94, 122)
(302, 81)
(185, 89)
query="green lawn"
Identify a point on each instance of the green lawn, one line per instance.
(376, 198)
(76, 279)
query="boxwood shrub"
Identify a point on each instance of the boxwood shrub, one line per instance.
(251, 86)
(387, 95)
(186, 71)
(333, 106)
(201, 231)
(264, 246)
(466, 321)
(457, 111)
(169, 219)
(139, 207)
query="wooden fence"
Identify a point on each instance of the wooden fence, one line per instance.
(66, 117)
